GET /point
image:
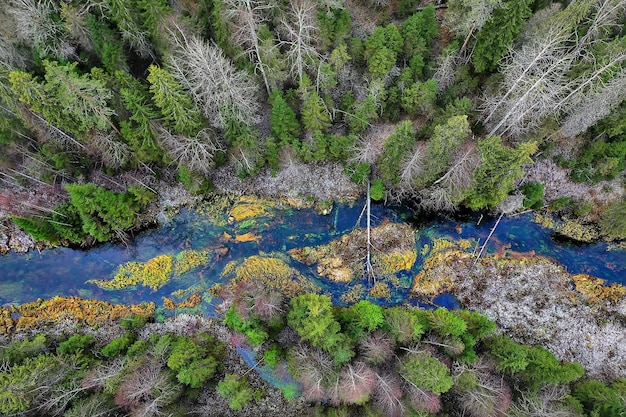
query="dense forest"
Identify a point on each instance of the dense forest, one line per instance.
(443, 105)
(362, 360)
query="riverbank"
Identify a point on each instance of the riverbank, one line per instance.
(536, 301)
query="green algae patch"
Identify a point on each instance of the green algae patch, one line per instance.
(190, 259)
(270, 272)
(43, 312)
(342, 260)
(153, 274)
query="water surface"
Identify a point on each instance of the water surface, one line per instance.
(64, 271)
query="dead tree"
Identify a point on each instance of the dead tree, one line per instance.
(300, 34)
(223, 92)
(246, 16)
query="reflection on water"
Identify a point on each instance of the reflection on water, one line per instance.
(63, 271)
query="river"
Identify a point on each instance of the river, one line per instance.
(64, 271)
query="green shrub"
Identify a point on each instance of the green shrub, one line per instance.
(560, 203)
(613, 220)
(237, 389)
(533, 193)
(75, 343)
(273, 354)
(118, 346)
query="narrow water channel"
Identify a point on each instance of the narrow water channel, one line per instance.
(64, 271)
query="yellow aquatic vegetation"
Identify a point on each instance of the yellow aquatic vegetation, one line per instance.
(595, 290)
(440, 244)
(273, 273)
(90, 311)
(544, 221)
(192, 301)
(190, 259)
(578, 231)
(248, 207)
(439, 269)
(6, 322)
(184, 292)
(342, 259)
(570, 228)
(168, 303)
(430, 286)
(153, 274)
(390, 263)
(247, 237)
(380, 290)
(354, 294)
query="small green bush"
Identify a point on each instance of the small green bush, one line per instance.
(75, 343)
(118, 346)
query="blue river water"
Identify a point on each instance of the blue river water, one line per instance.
(64, 271)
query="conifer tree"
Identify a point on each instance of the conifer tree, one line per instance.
(177, 109)
(314, 113)
(396, 146)
(285, 126)
(498, 33)
(499, 169)
(67, 99)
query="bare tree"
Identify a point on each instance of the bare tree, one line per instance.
(465, 17)
(459, 177)
(447, 63)
(387, 395)
(246, 16)
(36, 26)
(356, 383)
(597, 106)
(534, 81)
(217, 87)
(300, 36)
(537, 80)
(195, 153)
(147, 390)
(376, 348)
(113, 153)
(550, 401)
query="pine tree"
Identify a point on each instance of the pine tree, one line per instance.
(67, 99)
(177, 109)
(499, 169)
(285, 126)
(314, 113)
(396, 146)
(498, 33)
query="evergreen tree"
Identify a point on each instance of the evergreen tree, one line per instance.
(498, 34)
(74, 102)
(285, 126)
(418, 32)
(314, 113)
(397, 146)
(177, 109)
(500, 167)
(444, 142)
